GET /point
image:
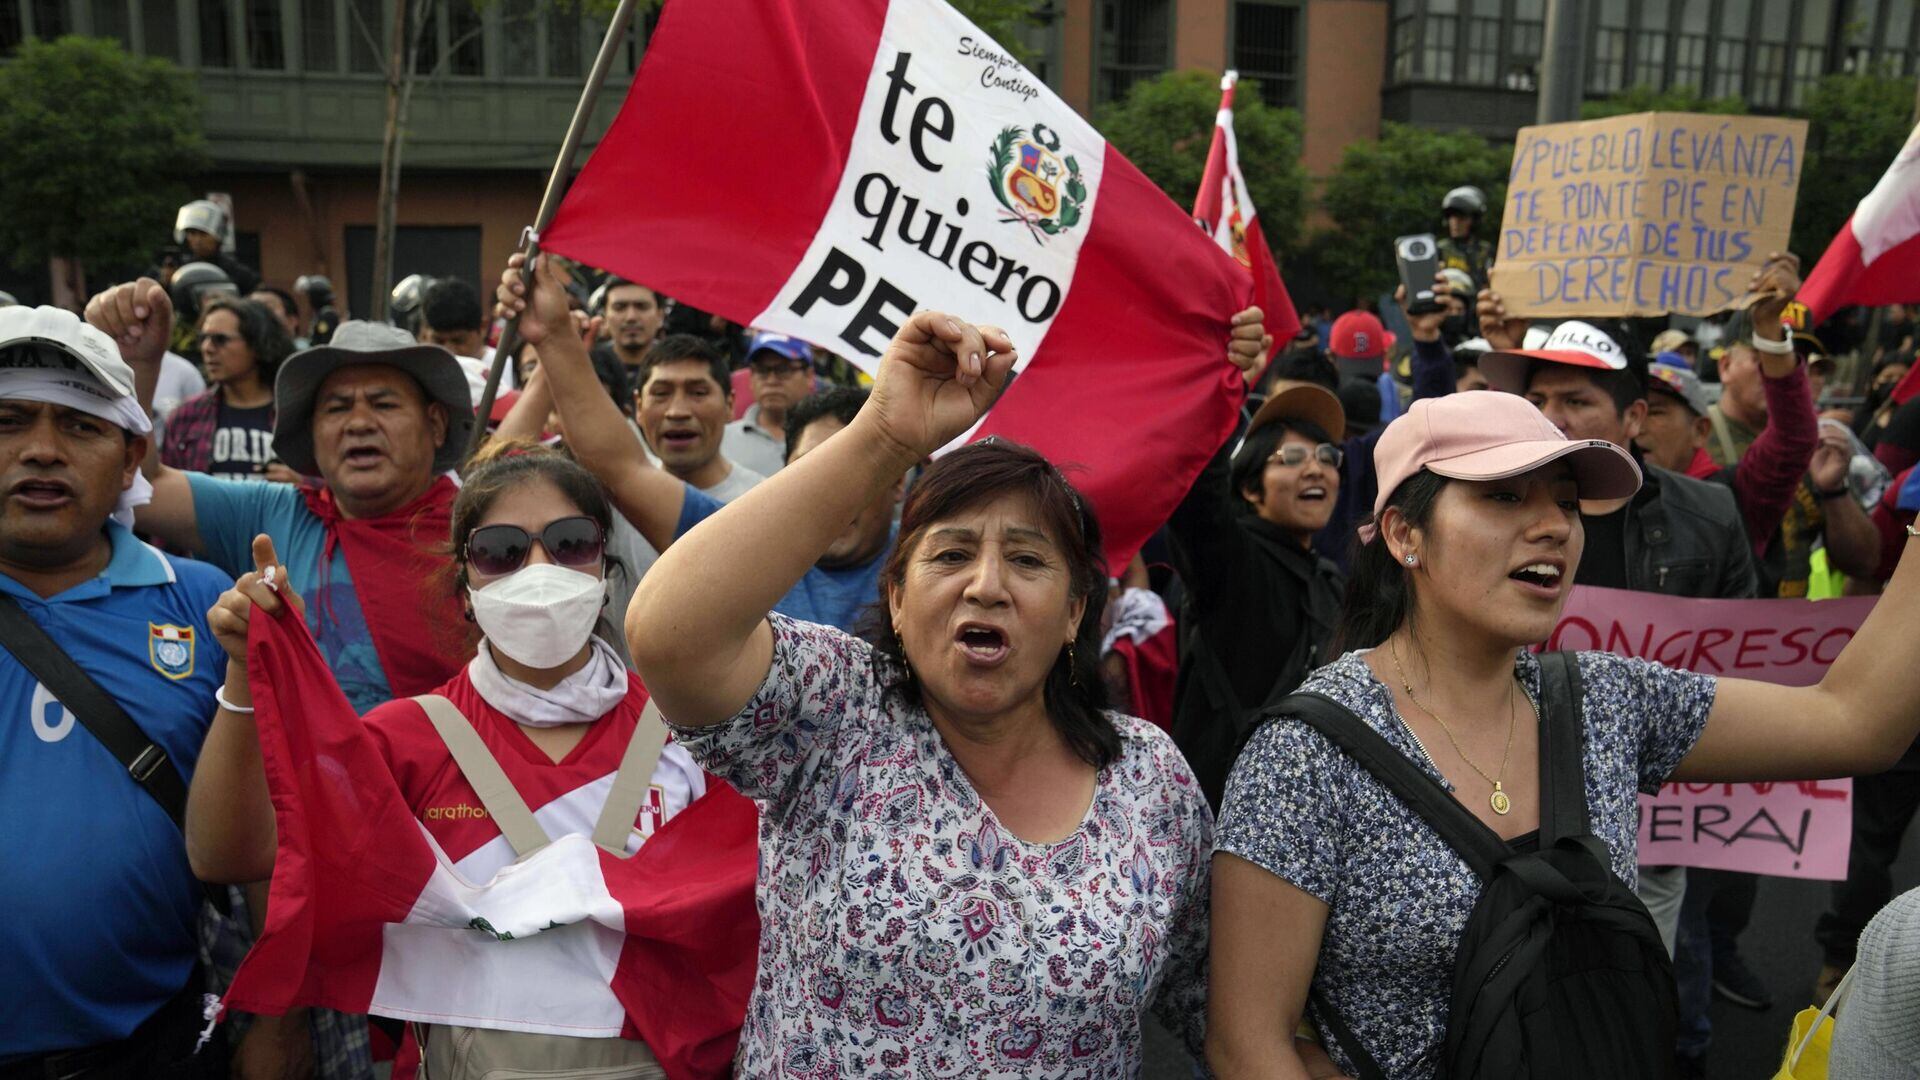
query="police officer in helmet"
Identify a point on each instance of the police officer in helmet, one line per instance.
(202, 227)
(1460, 249)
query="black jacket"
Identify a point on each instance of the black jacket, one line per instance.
(1684, 537)
(1259, 615)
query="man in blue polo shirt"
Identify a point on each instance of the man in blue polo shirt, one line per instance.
(101, 905)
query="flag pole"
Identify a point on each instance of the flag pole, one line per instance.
(549, 205)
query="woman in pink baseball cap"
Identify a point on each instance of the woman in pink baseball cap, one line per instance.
(1394, 860)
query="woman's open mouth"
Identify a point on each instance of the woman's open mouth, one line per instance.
(982, 645)
(1540, 578)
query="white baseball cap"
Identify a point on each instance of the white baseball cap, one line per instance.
(60, 329)
(1573, 342)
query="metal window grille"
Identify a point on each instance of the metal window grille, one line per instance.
(1266, 49)
(1135, 42)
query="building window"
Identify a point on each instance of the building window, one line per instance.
(464, 33)
(1406, 25)
(1266, 48)
(1862, 18)
(1896, 55)
(1730, 51)
(265, 49)
(426, 53)
(216, 34)
(110, 21)
(1524, 45)
(1650, 43)
(1440, 40)
(1690, 45)
(1135, 42)
(520, 31)
(366, 36)
(1770, 53)
(1483, 50)
(1810, 57)
(50, 19)
(1607, 58)
(160, 28)
(12, 29)
(316, 35)
(563, 43)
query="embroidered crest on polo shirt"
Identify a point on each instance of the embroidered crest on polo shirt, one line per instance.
(170, 648)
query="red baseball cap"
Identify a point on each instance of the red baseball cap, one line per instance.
(1491, 437)
(1572, 342)
(1359, 335)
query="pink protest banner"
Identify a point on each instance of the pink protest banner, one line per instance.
(1782, 829)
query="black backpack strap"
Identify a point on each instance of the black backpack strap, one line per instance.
(145, 761)
(1465, 834)
(1563, 783)
(1363, 1063)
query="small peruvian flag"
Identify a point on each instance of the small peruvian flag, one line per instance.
(1875, 258)
(1225, 210)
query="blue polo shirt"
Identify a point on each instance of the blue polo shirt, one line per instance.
(100, 904)
(230, 513)
(836, 597)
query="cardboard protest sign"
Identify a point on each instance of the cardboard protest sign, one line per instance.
(1785, 829)
(1645, 214)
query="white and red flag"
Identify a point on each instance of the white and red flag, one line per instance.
(824, 168)
(368, 913)
(1875, 258)
(1224, 208)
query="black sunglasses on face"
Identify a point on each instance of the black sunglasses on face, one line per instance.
(1294, 455)
(493, 550)
(217, 340)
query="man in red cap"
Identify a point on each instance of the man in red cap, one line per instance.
(1358, 343)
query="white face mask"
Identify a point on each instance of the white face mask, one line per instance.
(540, 615)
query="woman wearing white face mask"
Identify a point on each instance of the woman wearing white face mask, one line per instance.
(543, 736)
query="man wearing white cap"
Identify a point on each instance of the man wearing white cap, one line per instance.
(98, 628)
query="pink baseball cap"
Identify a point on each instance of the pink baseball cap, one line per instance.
(1491, 437)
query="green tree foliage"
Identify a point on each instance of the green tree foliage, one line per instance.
(1392, 187)
(1165, 126)
(1857, 123)
(99, 145)
(1641, 99)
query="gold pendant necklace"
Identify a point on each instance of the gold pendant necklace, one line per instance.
(1500, 802)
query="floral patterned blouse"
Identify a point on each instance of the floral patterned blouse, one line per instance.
(1397, 896)
(905, 931)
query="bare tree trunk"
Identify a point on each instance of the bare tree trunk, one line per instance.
(388, 199)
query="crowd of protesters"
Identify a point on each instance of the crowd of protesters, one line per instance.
(997, 828)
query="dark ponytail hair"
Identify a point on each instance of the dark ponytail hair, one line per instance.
(1380, 587)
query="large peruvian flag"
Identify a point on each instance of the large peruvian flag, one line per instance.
(1875, 258)
(823, 168)
(1224, 208)
(367, 913)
